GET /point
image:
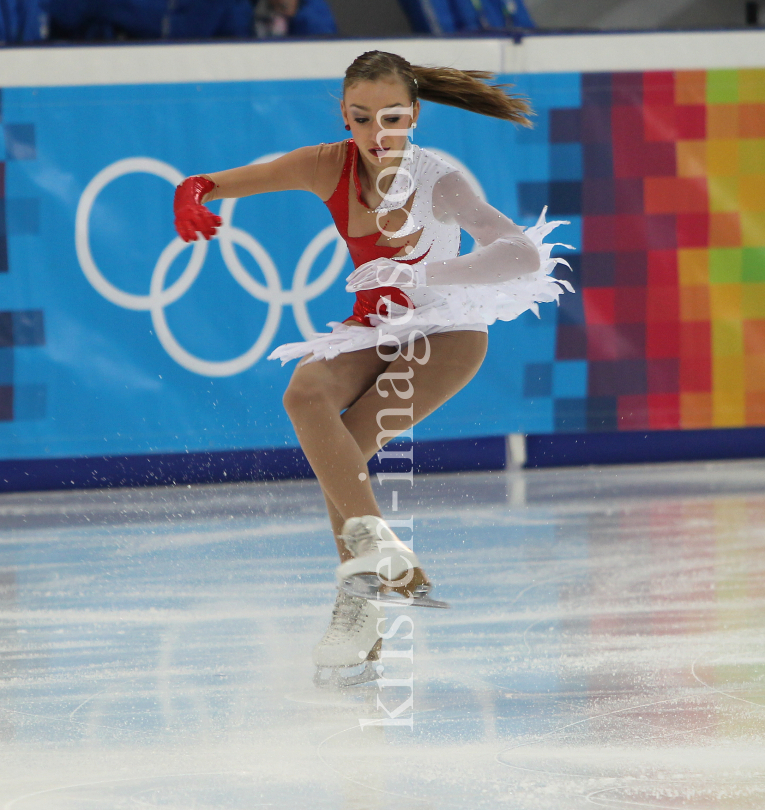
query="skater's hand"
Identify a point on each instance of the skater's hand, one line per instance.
(190, 215)
(385, 273)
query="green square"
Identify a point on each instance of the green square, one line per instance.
(753, 270)
(725, 265)
(722, 87)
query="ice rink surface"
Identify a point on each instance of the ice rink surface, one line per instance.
(606, 647)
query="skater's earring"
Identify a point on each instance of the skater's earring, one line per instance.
(347, 126)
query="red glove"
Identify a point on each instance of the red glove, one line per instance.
(190, 215)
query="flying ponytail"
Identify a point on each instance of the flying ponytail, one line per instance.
(466, 89)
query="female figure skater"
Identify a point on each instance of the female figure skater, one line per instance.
(418, 332)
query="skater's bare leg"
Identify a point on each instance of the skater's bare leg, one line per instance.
(454, 358)
(314, 400)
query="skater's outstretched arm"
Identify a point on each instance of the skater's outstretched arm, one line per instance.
(309, 168)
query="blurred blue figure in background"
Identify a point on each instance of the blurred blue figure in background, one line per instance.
(204, 19)
(22, 21)
(107, 19)
(451, 16)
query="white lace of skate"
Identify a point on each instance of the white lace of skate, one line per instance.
(344, 616)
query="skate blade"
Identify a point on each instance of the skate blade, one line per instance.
(368, 586)
(343, 677)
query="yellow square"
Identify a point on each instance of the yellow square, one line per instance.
(751, 85)
(751, 156)
(693, 266)
(691, 158)
(752, 192)
(727, 339)
(729, 409)
(752, 228)
(722, 157)
(753, 302)
(723, 193)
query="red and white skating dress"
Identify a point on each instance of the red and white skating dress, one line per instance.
(431, 287)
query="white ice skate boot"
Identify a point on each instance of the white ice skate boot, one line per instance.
(382, 568)
(351, 646)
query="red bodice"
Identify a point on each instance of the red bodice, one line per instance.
(363, 248)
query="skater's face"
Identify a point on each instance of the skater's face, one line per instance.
(379, 112)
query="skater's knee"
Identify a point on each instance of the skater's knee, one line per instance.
(304, 394)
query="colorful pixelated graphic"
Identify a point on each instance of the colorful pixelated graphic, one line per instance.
(671, 315)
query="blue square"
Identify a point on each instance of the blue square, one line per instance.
(29, 402)
(532, 198)
(23, 216)
(569, 379)
(566, 161)
(6, 366)
(20, 143)
(28, 329)
(537, 380)
(570, 415)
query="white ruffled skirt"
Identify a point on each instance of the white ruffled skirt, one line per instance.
(459, 306)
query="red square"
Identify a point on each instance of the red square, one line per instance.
(627, 88)
(628, 195)
(630, 305)
(662, 304)
(692, 230)
(662, 268)
(691, 122)
(662, 375)
(599, 303)
(662, 339)
(695, 339)
(598, 234)
(696, 374)
(659, 122)
(632, 412)
(659, 87)
(664, 411)
(647, 232)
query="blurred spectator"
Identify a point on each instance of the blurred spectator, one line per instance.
(450, 16)
(186, 19)
(21, 21)
(274, 18)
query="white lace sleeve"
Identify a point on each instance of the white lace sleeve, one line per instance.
(504, 252)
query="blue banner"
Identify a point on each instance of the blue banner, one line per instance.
(116, 338)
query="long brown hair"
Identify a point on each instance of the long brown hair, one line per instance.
(466, 89)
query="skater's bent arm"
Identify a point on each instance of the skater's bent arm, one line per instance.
(297, 170)
(504, 252)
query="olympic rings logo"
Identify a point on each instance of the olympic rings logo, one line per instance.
(272, 293)
(160, 296)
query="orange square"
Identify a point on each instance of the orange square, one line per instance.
(754, 337)
(691, 87)
(693, 266)
(691, 158)
(751, 192)
(725, 302)
(722, 157)
(695, 410)
(722, 121)
(754, 372)
(755, 408)
(694, 303)
(751, 121)
(675, 195)
(724, 230)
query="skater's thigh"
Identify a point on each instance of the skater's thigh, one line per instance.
(339, 382)
(451, 360)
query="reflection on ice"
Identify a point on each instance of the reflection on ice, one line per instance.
(605, 648)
